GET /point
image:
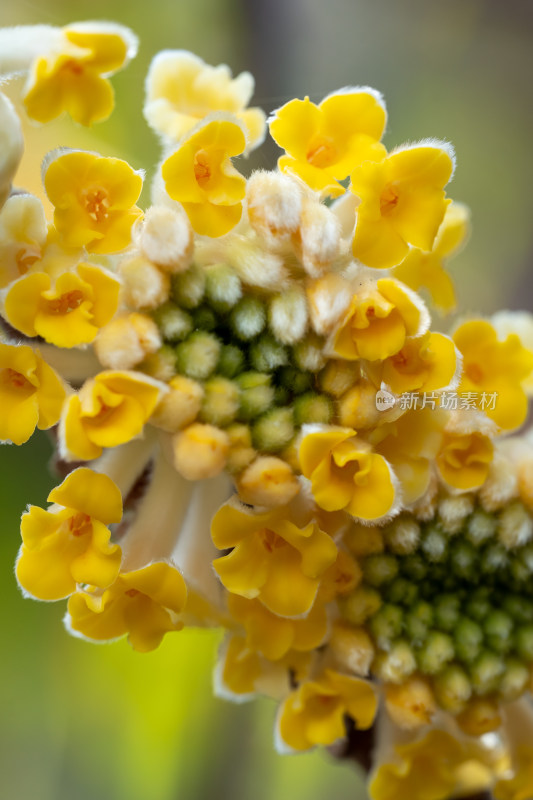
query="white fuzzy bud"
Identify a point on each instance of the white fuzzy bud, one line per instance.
(328, 297)
(318, 242)
(255, 266)
(501, 485)
(126, 341)
(166, 238)
(515, 527)
(274, 206)
(453, 511)
(11, 146)
(144, 285)
(403, 535)
(287, 316)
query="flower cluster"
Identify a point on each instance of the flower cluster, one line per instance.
(216, 362)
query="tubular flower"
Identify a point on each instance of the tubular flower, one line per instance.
(314, 713)
(345, 473)
(181, 90)
(109, 410)
(31, 393)
(425, 270)
(402, 202)
(236, 343)
(70, 543)
(273, 559)
(202, 178)
(325, 143)
(433, 768)
(144, 603)
(72, 77)
(492, 366)
(94, 199)
(378, 321)
(68, 312)
(426, 363)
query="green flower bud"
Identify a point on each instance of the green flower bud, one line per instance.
(414, 567)
(223, 288)
(418, 621)
(197, 356)
(452, 688)
(480, 527)
(360, 605)
(248, 318)
(380, 569)
(161, 365)
(308, 354)
(188, 287)
(478, 606)
(468, 637)
(273, 431)
(402, 591)
(447, 612)
(257, 395)
(266, 354)
(174, 323)
(514, 680)
(519, 607)
(296, 381)
(221, 401)
(436, 651)
(464, 560)
(486, 671)
(312, 407)
(494, 559)
(397, 664)
(498, 628)
(204, 319)
(523, 641)
(386, 625)
(231, 361)
(434, 544)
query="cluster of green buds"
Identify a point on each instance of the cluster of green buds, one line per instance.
(451, 599)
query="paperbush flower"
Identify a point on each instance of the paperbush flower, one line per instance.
(306, 464)
(182, 90)
(31, 393)
(72, 75)
(94, 199)
(325, 143)
(402, 202)
(67, 312)
(70, 543)
(201, 177)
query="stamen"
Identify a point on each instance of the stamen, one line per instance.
(66, 303)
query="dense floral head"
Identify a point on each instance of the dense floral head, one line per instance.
(249, 370)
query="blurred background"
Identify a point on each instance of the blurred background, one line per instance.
(81, 721)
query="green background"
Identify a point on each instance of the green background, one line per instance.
(81, 721)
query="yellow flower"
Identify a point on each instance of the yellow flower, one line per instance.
(23, 234)
(464, 459)
(314, 713)
(378, 320)
(276, 560)
(69, 543)
(402, 202)
(345, 473)
(71, 77)
(66, 313)
(201, 177)
(274, 636)
(109, 410)
(424, 364)
(325, 143)
(144, 603)
(520, 786)
(31, 393)
(409, 444)
(94, 199)
(435, 767)
(491, 366)
(182, 90)
(425, 270)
